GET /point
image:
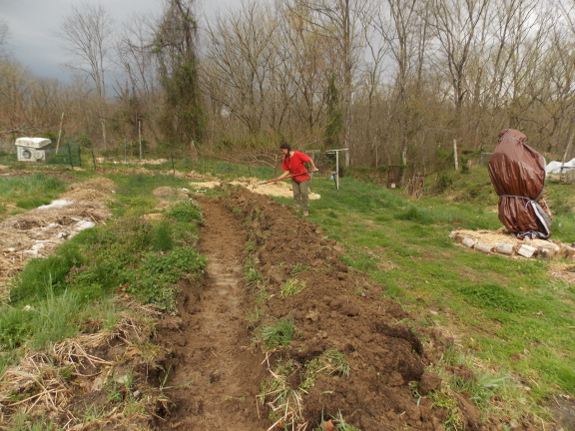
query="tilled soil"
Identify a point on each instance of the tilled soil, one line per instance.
(218, 370)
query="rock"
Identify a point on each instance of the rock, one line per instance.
(568, 253)
(483, 248)
(468, 242)
(506, 249)
(549, 250)
(526, 251)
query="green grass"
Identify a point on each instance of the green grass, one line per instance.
(510, 316)
(280, 334)
(502, 309)
(30, 191)
(19, 187)
(52, 297)
(134, 194)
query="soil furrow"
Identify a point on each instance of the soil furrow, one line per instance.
(213, 350)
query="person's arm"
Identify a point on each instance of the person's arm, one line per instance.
(285, 174)
(313, 167)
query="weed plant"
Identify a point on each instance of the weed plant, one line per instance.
(292, 287)
(283, 401)
(22, 423)
(187, 212)
(277, 335)
(331, 362)
(162, 239)
(253, 277)
(56, 319)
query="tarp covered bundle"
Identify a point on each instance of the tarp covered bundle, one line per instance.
(517, 173)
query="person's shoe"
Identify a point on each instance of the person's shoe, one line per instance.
(296, 208)
(305, 213)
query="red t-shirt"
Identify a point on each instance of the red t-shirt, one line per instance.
(295, 166)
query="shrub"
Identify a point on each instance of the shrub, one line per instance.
(84, 142)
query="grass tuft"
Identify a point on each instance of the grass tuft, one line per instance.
(292, 287)
(279, 334)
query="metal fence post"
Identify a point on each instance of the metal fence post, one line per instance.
(70, 156)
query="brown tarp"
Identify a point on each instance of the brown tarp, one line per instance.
(517, 173)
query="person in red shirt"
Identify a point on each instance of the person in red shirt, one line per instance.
(293, 164)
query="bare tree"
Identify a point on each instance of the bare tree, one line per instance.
(135, 57)
(138, 91)
(88, 34)
(339, 21)
(457, 24)
(405, 33)
(303, 69)
(567, 11)
(4, 35)
(239, 63)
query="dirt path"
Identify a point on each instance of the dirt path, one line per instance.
(213, 349)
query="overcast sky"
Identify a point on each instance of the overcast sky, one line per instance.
(32, 23)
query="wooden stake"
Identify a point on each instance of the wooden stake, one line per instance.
(455, 154)
(60, 133)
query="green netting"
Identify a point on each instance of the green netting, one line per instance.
(68, 154)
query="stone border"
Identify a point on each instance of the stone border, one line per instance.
(553, 250)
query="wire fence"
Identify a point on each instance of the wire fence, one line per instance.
(69, 154)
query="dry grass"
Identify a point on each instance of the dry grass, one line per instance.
(50, 382)
(39, 232)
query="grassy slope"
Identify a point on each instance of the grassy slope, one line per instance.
(509, 317)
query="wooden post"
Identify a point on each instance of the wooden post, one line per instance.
(60, 133)
(455, 154)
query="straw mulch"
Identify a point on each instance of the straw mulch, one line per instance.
(75, 375)
(38, 232)
(279, 188)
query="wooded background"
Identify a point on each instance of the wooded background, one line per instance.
(395, 81)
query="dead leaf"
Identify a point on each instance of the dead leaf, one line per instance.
(122, 288)
(328, 426)
(132, 351)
